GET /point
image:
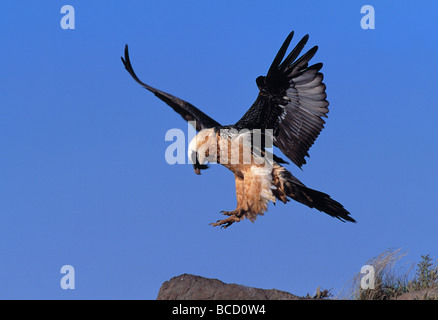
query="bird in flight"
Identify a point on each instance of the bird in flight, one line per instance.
(287, 113)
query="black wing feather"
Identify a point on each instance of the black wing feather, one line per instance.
(184, 108)
(294, 53)
(292, 102)
(280, 55)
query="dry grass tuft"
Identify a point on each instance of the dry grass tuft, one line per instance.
(391, 280)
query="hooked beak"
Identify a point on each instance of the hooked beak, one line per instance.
(197, 167)
(195, 161)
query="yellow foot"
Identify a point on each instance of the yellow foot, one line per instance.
(225, 223)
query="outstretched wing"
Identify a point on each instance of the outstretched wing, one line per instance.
(291, 102)
(185, 109)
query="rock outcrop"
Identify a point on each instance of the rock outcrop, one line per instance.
(191, 287)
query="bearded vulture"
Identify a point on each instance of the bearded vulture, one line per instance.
(287, 113)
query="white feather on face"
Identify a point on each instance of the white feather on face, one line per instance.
(204, 146)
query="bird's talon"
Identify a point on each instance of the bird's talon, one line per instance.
(225, 223)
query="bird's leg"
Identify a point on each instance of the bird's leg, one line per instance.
(225, 223)
(234, 216)
(237, 212)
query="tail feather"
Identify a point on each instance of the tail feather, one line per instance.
(288, 185)
(322, 202)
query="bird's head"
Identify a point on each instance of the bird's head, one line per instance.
(203, 149)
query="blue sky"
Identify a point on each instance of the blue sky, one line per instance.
(84, 182)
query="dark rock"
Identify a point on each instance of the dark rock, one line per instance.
(191, 287)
